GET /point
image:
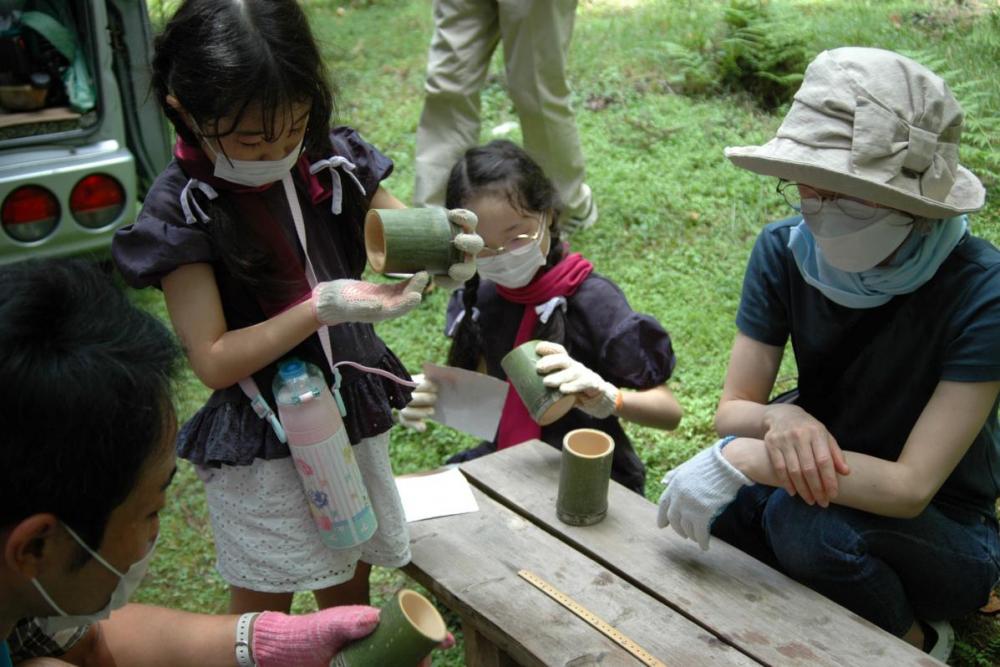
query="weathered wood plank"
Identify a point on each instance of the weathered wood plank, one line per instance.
(761, 611)
(470, 562)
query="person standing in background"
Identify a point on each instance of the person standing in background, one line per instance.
(536, 38)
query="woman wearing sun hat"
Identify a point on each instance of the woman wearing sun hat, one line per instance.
(877, 486)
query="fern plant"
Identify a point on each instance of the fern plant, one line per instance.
(753, 53)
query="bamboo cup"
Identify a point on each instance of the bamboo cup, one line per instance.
(407, 240)
(545, 404)
(409, 628)
(584, 476)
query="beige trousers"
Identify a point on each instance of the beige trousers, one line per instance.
(536, 37)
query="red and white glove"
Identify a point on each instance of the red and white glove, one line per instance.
(309, 640)
(344, 300)
(595, 396)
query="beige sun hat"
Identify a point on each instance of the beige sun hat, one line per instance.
(875, 125)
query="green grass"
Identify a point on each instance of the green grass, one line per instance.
(677, 220)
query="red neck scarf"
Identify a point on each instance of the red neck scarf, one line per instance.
(563, 279)
(253, 208)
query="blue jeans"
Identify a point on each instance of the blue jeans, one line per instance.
(939, 565)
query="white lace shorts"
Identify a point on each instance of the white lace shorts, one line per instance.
(265, 538)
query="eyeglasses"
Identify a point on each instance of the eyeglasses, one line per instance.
(519, 241)
(807, 200)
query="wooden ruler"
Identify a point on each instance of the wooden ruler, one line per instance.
(594, 620)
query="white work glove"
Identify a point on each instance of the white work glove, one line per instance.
(594, 395)
(344, 300)
(698, 490)
(421, 405)
(469, 243)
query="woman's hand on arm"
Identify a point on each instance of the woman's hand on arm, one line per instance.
(902, 488)
(804, 456)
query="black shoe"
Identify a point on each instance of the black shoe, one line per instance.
(482, 449)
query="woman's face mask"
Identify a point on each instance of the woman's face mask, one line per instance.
(514, 268)
(858, 242)
(127, 584)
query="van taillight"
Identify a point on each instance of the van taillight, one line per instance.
(97, 200)
(30, 213)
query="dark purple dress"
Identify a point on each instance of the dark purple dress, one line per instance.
(626, 348)
(226, 430)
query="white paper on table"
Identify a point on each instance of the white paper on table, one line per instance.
(467, 401)
(434, 494)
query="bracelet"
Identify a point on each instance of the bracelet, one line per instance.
(619, 401)
(243, 625)
(725, 441)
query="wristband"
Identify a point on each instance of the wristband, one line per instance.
(725, 441)
(243, 625)
(619, 401)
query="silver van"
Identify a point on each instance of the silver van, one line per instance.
(81, 138)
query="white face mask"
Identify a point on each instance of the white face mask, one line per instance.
(852, 244)
(514, 268)
(254, 173)
(127, 584)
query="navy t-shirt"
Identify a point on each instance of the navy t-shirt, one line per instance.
(867, 374)
(626, 348)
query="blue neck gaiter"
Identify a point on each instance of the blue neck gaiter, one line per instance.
(916, 262)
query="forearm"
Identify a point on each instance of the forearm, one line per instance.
(886, 488)
(656, 408)
(742, 418)
(239, 353)
(160, 637)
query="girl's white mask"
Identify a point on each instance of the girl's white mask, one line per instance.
(127, 584)
(514, 268)
(853, 244)
(253, 173)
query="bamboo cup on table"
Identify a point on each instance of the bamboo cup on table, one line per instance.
(409, 628)
(584, 476)
(407, 240)
(545, 404)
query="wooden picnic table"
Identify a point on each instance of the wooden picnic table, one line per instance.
(678, 603)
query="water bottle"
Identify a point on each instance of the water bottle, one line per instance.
(336, 493)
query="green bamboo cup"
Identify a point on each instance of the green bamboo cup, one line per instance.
(584, 476)
(407, 240)
(545, 404)
(409, 628)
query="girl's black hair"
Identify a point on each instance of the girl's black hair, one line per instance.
(503, 169)
(220, 58)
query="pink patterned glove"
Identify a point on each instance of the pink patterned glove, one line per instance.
(309, 640)
(346, 300)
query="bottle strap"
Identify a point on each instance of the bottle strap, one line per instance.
(249, 386)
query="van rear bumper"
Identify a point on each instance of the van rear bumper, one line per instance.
(58, 169)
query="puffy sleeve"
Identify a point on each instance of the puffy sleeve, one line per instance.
(763, 312)
(626, 348)
(371, 166)
(160, 240)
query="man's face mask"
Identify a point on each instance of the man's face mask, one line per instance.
(127, 584)
(857, 242)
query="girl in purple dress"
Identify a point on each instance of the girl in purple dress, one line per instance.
(254, 234)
